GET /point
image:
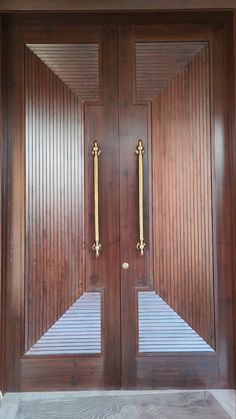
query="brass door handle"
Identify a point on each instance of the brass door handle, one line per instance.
(97, 247)
(139, 151)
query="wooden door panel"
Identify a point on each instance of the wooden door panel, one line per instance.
(54, 277)
(182, 193)
(175, 315)
(66, 85)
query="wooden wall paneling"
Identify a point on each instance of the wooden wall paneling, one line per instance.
(94, 5)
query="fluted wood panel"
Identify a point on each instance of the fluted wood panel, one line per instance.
(77, 65)
(157, 63)
(53, 198)
(182, 196)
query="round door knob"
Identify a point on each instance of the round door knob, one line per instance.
(125, 265)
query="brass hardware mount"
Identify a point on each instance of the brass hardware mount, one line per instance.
(140, 151)
(97, 247)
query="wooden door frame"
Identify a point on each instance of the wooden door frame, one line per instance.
(104, 5)
(12, 7)
(233, 140)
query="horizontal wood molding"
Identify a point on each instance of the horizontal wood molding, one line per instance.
(93, 5)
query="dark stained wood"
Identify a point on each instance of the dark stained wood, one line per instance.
(72, 373)
(58, 222)
(94, 5)
(180, 372)
(213, 368)
(232, 78)
(76, 65)
(157, 64)
(13, 216)
(201, 18)
(182, 201)
(105, 271)
(223, 210)
(1, 238)
(118, 206)
(133, 125)
(54, 274)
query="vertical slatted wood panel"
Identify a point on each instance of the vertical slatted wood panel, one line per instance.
(182, 196)
(53, 196)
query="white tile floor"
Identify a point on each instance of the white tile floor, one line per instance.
(9, 405)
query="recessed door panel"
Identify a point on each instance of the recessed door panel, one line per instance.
(64, 99)
(174, 79)
(54, 199)
(171, 290)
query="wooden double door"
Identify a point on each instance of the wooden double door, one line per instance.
(117, 135)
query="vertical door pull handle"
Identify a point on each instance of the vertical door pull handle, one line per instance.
(97, 247)
(139, 151)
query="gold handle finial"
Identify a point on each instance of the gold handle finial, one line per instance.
(139, 151)
(97, 247)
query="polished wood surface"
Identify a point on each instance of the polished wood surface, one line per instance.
(182, 195)
(94, 5)
(158, 64)
(50, 174)
(195, 182)
(232, 63)
(53, 197)
(62, 375)
(118, 205)
(76, 65)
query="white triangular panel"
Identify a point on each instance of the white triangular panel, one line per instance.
(161, 329)
(77, 331)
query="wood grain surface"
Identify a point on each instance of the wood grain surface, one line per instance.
(50, 173)
(182, 195)
(95, 5)
(44, 216)
(189, 111)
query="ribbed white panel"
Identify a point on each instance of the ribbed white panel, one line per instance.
(78, 331)
(161, 329)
